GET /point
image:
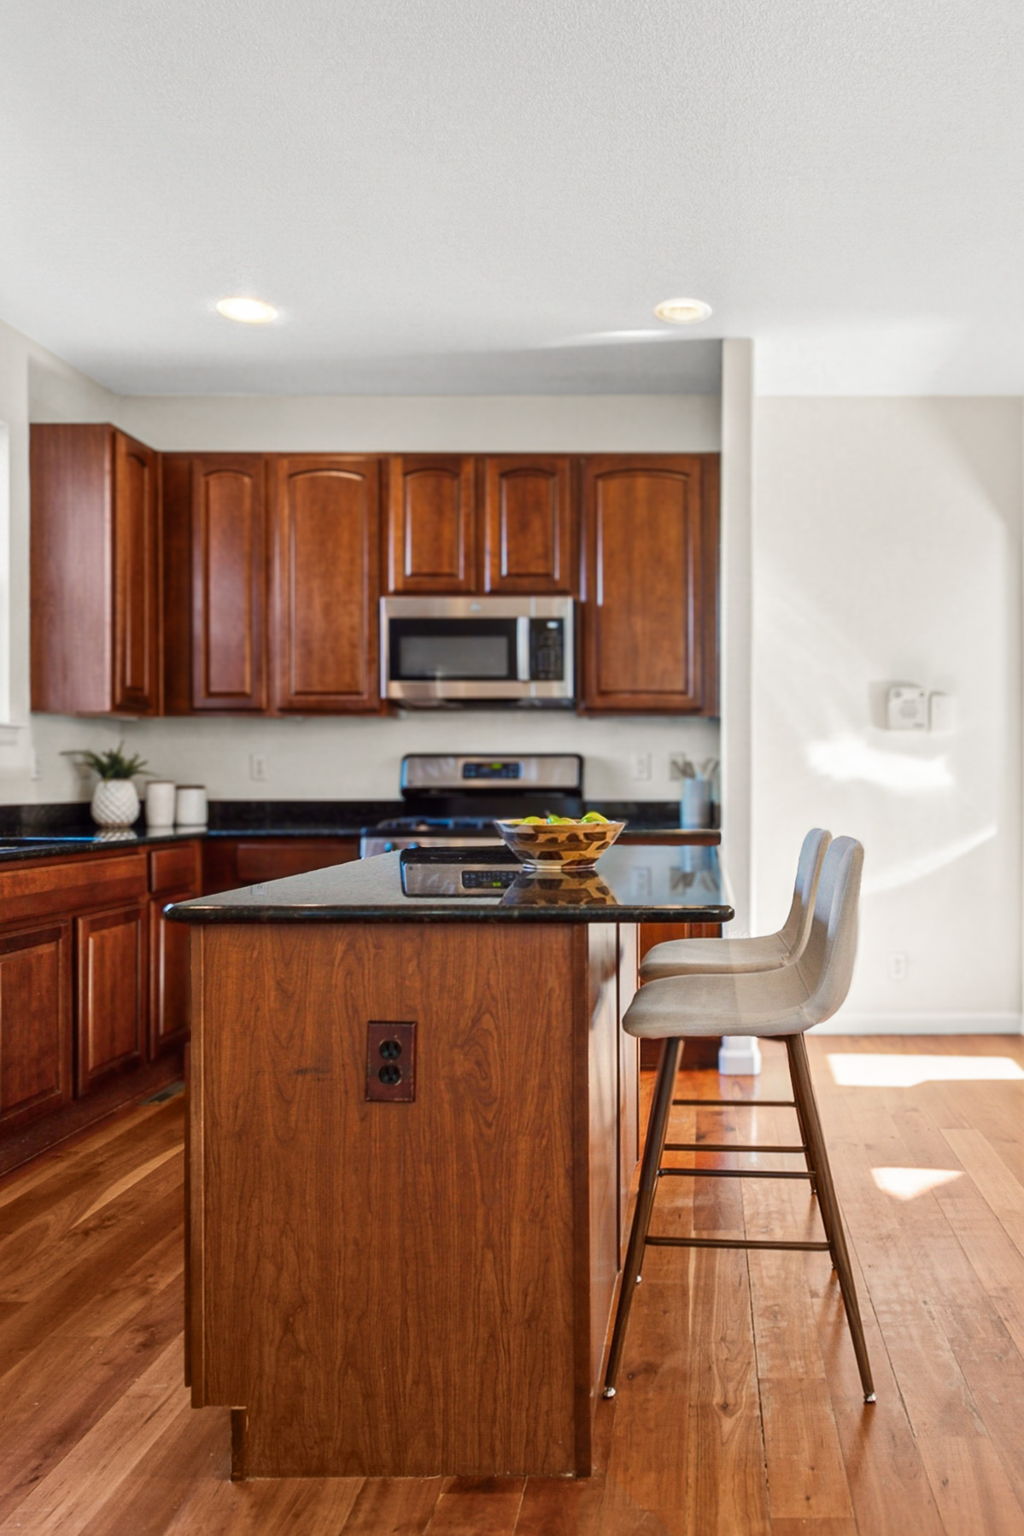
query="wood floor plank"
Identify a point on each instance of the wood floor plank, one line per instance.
(478, 1506)
(264, 1507)
(971, 1487)
(58, 1392)
(386, 1505)
(82, 1481)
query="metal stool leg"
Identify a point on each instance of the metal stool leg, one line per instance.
(657, 1128)
(803, 1093)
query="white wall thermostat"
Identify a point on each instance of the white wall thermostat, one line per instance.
(906, 708)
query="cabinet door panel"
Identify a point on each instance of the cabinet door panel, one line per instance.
(35, 1022)
(326, 555)
(528, 526)
(431, 525)
(648, 548)
(136, 624)
(229, 555)
(169, 975)
(112, 991)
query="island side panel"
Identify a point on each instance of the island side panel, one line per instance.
(391, 1289)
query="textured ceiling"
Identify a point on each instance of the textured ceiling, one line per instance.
(490, 195)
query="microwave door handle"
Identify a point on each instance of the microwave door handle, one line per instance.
(523, 650)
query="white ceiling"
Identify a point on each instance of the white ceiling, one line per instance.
(488, 196)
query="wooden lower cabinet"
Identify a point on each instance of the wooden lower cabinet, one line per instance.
(112, 1005)
(35, 1022)
(168, 976)
(93, 987)
(230, 862)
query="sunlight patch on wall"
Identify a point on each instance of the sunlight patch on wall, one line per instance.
(848, 758)
(885, 1071)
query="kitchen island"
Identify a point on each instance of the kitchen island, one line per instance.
(412, 1127)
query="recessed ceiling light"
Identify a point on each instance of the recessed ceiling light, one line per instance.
(682, 311)
(248, 311)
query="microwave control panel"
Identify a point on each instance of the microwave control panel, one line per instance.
(547, 651)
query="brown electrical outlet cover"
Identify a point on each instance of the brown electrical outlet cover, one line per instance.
(390, 1061)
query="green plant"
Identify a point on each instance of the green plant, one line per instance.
(113, 764)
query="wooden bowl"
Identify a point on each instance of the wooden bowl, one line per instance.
(557, 845)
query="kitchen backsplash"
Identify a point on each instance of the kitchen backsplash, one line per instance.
(358, 758)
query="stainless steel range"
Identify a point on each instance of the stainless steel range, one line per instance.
(452, 800)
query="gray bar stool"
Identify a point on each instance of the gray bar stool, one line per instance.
(779, 1004)
(681, 957)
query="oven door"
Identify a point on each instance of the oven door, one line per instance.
(462, 650)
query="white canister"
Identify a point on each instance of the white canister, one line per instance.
(160, 804)
(190, 807)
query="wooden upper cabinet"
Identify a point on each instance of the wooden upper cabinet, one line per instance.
(529, 542)
(431, 536)
(650, 531)
(94, 572)
(326, 560)
(136, 571)
(215, 532)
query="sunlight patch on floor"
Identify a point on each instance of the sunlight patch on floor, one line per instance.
(908, 1183)
(891, 1071)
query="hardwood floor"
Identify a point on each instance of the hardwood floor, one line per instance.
(739, 1411)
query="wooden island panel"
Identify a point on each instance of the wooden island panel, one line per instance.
(405, 1289)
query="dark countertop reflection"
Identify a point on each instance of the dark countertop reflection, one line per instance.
(635, 884)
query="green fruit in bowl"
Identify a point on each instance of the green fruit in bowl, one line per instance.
(593, 816)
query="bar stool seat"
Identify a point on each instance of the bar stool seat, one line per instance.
(778, 1004)
(681, 957)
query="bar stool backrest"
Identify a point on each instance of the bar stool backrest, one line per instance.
(796, 929)
(826, 965)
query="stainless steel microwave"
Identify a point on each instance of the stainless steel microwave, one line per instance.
(477, 650)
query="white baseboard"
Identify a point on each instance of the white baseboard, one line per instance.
(922, 1024)
(740, 1055)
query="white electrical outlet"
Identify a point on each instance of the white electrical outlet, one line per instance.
(642, 882)
(899, 965)
(640, 766)
(257, 767)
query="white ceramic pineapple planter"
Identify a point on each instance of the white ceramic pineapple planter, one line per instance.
(115, 803)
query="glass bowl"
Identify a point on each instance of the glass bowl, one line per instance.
(558, 846)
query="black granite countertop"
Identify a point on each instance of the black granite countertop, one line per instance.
(638, 884)
(67, 830)
(73, 845)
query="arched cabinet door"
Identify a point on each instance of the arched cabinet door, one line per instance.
(650, 532)
(325, 515)
(528, 525)
(215, 582)
(431, 523)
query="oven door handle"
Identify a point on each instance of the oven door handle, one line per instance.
(523, 649)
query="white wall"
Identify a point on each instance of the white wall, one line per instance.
(427, 423)
(35, 385)
(886, 548)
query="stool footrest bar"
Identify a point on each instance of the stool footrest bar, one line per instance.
(725, 1242)
(737, 1103)
(715, 1146)
(735, 1173)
